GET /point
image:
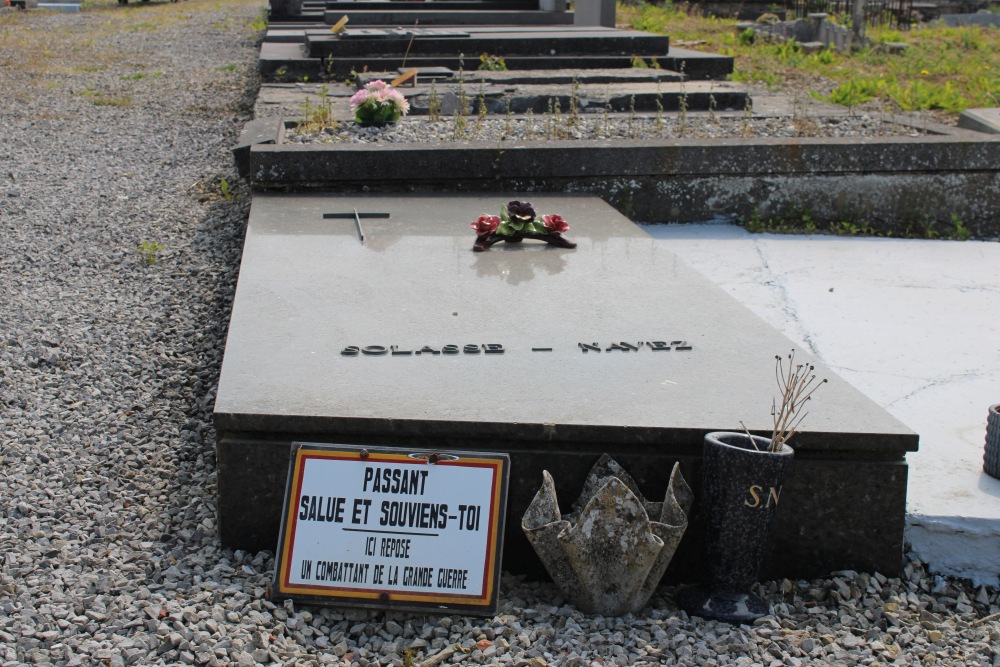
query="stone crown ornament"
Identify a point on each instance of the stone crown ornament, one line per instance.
(608, 555)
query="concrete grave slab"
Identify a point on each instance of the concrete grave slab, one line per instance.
(451, 17)
(885, 313)
(538, 76)
(985, 19)
(309, 288)
(431, 5)
(284, 57)
(980, 120)
(496, 40)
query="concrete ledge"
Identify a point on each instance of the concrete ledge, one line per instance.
(980, 120)
(885, 183)
(283, 57)
(559, 41)
(255, 133)
(429, 5)
(448, 17)
(933, 539)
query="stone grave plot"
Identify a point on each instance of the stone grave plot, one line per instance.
(442, 13)
(428, 12)
(441, 92)
(507, 41)
(543, 91)
(390, 330)
(904, 172)
(291, 52)
(342, 6)
(453, 17)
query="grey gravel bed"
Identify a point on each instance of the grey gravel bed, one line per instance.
(108, 369)
(601, 127)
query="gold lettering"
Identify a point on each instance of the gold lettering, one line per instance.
(754, 498)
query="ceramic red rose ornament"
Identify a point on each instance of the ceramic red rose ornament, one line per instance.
(518, 221)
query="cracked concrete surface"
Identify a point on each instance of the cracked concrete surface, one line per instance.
(913, 324)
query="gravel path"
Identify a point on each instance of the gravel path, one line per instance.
(108, 369)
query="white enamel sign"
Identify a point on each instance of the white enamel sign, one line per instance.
(382, 527)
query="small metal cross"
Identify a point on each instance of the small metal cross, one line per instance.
(357, 220)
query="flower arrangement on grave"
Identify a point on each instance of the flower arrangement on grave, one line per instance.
(378, 103)
(518, 221)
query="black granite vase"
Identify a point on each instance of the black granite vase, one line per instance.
(740, 491)
(991, 458)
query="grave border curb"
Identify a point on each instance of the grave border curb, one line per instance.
(884, 182)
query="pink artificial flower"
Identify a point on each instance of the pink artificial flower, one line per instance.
(395, 97)
(555, 223)
(486, 224)
(376, 85)
(358, 99)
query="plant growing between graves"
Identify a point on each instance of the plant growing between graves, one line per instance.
(552, 117)
(960, 231)
(804, 124)
(639, 63)
(434, 103)
(459, 126)
(824, 57)
(148, 250)
(463, 98)
(799, 219)
(99, 99)
(746, 125)
(574, 104)
(481, 107)
(259, 23)
(492, 63)
(139, 75)
(317, 117)
(855, 92)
